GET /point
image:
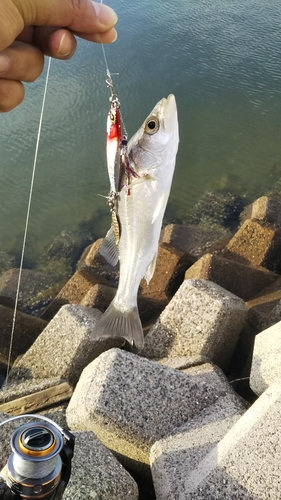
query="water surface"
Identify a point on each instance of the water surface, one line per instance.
(221, 59)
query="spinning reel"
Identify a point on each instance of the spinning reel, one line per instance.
(40, 463)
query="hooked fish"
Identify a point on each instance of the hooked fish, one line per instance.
(142, 199)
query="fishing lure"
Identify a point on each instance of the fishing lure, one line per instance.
(113, 142)
(119, 169)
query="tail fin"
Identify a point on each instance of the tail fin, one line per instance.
(117, 323)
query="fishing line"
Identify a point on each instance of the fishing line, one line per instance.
(111, 82)
(28, 216)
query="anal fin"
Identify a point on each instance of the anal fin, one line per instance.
(150, 269)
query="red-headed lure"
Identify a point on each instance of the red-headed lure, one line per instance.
(113, 141)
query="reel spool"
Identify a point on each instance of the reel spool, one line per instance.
(40, 463)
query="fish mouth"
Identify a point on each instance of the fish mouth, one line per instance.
(169, 113)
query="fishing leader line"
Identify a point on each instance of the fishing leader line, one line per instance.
(110, 82)
(28, 216)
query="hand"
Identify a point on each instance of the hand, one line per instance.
(30, 29)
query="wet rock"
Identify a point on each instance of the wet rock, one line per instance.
(6, 262)
(37, 289)
(96, 473)
(216, 210)
(193, 241)
(130, 402)
(7, 301)
(263, 209)
(275, 191)
(257, 244)
(243, 280)
(64, 251)
(27, 329)
(245, 464)
(60, 267)
(64, 347)
(261, 308)
(265, 368)
(173, 458)
(201, 319)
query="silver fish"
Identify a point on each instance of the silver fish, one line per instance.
(141, 205)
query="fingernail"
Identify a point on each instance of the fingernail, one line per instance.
(4, 63)
(66, 46)
(115, 37)
(106, 15)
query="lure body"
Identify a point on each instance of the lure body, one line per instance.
(113, 140)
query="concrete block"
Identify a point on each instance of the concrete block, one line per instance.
(15, 389)
(99, 297)
(194, 241)
(262, 313)
(173, 458)
(64, 347)
(27, 329)
(264, 209)
(130, 402)
(201, 319)
(275, 314)
(73, 291)
(93, 261)
(91, 256)
(96, 473)
(169, 272)
(256, 243)
(245, 464)
(184, 362)
(265, 367)
(242, 280)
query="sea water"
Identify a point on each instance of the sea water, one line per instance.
(220, 58)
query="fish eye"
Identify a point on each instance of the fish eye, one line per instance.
(152, 125)
(112, 117)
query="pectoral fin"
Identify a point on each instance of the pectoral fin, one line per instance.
(109, 249)
(150, 270)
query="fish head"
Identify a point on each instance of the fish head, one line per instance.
(156, 142)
